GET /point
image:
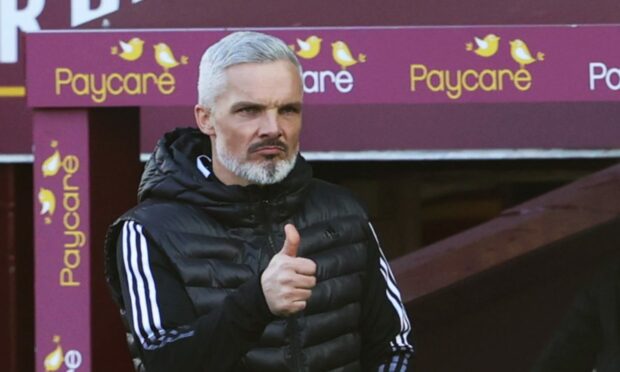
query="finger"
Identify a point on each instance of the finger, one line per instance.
(299, 294)
(300, 305)
(304, 266)
(304, 281)
(291, 243)
(296, 307)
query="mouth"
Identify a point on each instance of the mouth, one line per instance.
(269, 151)
(269, 148)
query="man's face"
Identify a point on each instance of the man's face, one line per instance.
(255, 124)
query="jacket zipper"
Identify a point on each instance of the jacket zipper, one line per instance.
(292, 320)
(268, 229)
(295, 342)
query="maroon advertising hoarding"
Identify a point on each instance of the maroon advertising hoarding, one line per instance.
(371, 93)
(442, 127)
(341, 66)
(62, 241)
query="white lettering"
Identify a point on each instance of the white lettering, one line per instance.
(73, 360)
(614, 72)
(594, 75)
(344, 81)
(314, 82)
(599, 71)
(13, 19)
(81, 12)
(318, 81)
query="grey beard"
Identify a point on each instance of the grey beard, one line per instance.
(268, 173)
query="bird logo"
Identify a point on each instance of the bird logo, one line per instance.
(308, 48)
(48, 201)
(343, 56)
(485, 47)
(51, 165)
(130, 50)
(522, 55)
(54, 360)
(166, 59)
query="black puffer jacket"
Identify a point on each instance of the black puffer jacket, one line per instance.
(217, 239)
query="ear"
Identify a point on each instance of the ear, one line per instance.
(204, 120)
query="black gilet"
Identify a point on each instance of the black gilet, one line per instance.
(234, 231)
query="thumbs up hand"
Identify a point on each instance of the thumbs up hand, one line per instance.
(291, 243)
(288, 279)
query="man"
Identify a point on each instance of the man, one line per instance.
(236, 259)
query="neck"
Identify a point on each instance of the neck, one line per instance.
(225, 176)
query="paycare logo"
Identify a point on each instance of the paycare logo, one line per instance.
(54, 361)
(99, 86)
(320, 81)
(69, 190)
(453, 83)
(47, 198)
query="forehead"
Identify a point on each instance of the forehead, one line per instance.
(269, 81)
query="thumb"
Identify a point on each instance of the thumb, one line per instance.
(291, 243)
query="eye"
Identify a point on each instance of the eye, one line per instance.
(290, 109)
(248, 110)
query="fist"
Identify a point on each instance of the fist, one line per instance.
(288, 279)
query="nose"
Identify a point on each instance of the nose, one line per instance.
(270, 125)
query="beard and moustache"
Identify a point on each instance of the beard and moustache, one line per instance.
(262, 172)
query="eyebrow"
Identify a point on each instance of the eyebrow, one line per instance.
(243, 104)
(295, 105)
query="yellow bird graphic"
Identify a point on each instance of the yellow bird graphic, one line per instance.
(342, 55)
(309, 48)
(165, 58)
(51, 165)
(54, 360)
(131, 50)
(47, 200)
(485, 47)
(521, 53)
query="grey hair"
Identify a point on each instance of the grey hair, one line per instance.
(236, 48)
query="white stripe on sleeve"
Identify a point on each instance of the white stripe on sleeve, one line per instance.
(146, 316)
(400, 342)
(149, 279)
(130, 279)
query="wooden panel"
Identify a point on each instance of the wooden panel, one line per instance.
(518, 231)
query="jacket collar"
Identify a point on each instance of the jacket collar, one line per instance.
(171, 174)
